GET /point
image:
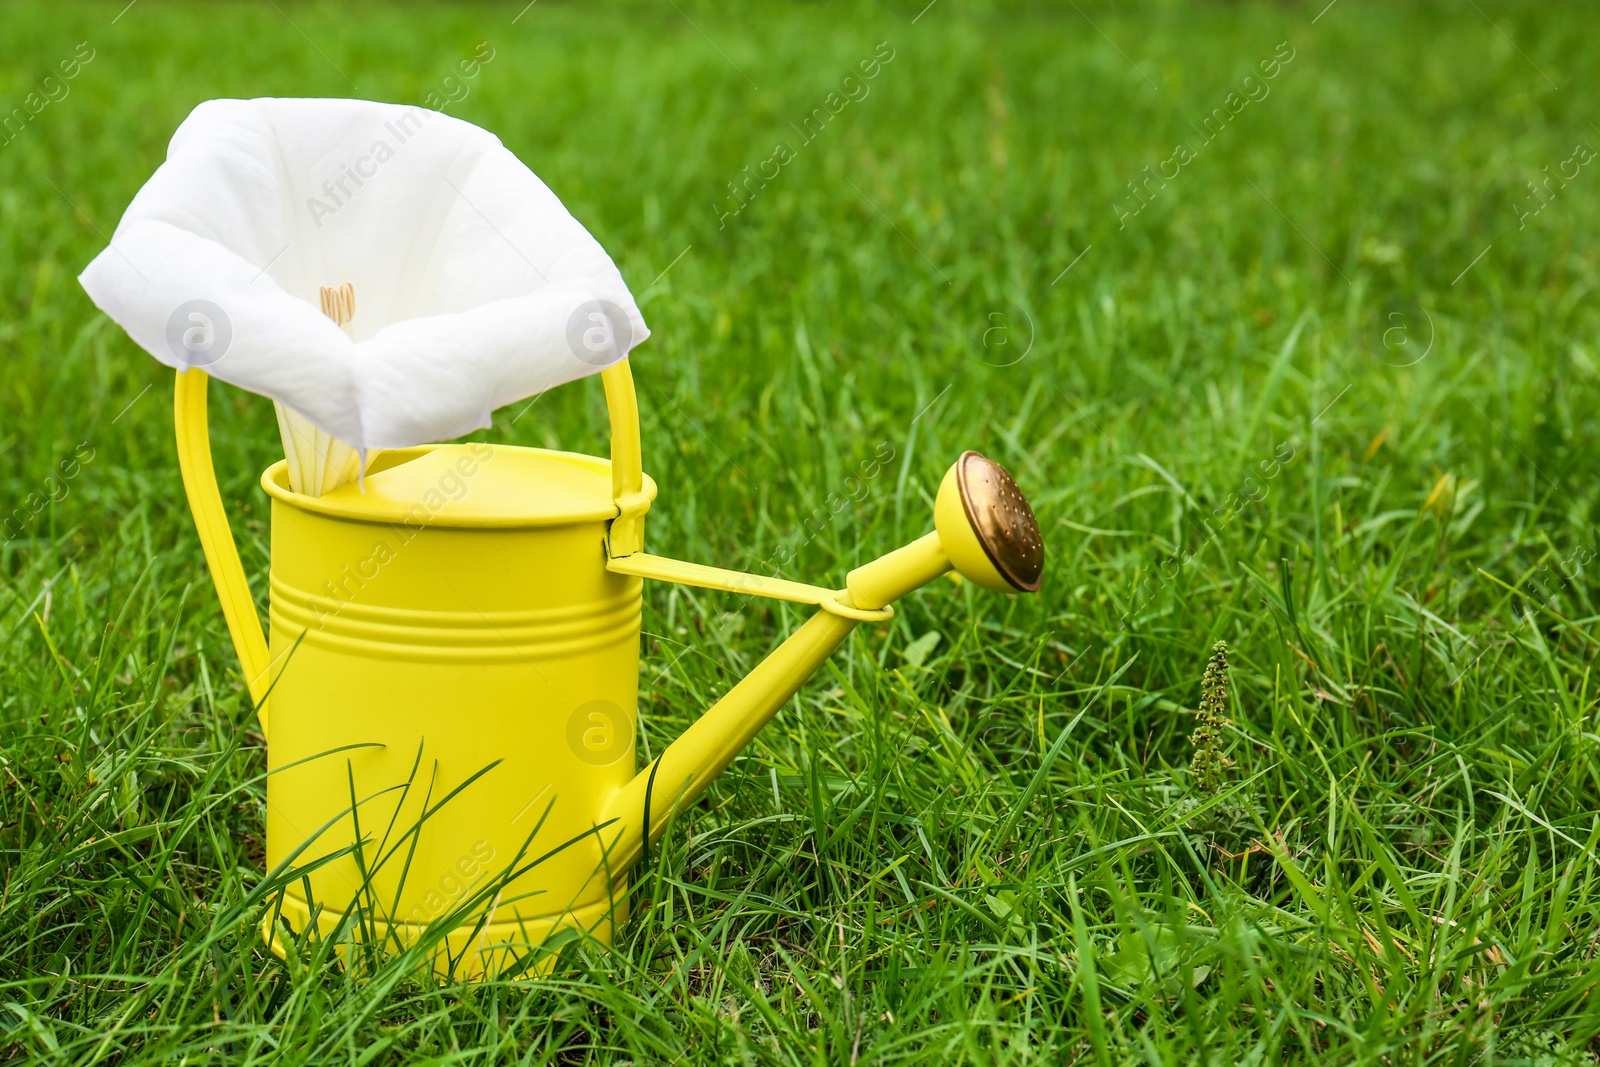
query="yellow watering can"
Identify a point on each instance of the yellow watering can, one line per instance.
(451, 679)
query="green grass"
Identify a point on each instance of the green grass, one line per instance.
(973, 837)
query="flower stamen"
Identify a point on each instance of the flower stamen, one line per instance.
(339, 304)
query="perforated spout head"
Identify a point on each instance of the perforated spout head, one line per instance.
(987, 527)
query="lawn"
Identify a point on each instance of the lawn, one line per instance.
(1284, 316)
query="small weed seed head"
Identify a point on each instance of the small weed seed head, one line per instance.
(1209, 766)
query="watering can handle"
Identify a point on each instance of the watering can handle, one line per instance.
(216, 538)
(627, 471)
(222, 554)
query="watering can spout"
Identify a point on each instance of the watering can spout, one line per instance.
(984, 530)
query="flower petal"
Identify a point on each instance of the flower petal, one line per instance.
(474, 285)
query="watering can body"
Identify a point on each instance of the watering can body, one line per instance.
(454, 676)
(449, 692)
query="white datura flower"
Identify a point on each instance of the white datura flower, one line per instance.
(388, 274)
